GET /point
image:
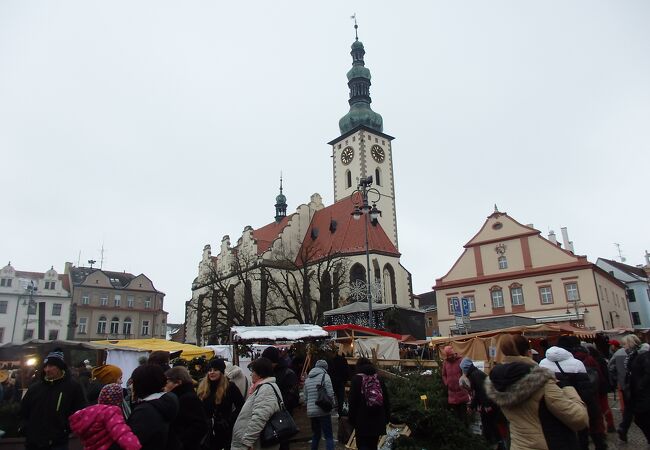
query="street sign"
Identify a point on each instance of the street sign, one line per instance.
(456, 306)
(465, 305)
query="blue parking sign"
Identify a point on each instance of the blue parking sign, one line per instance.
(465, 305)
(456, 306)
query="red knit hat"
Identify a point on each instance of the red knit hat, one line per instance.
(111, 394)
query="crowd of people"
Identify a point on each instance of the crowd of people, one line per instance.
(555, 400)
(163, 407)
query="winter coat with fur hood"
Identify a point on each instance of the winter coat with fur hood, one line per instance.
(542, 415)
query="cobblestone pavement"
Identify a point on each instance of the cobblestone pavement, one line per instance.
(636, 440)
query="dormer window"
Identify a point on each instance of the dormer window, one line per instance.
(50, 285)
(5, 282)
(503, 262)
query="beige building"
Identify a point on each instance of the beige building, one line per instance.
(114, 305)
(509, 270)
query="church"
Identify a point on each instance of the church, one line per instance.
(318, 258)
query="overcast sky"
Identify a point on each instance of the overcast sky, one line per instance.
(156, 127)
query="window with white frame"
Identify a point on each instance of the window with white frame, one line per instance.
(56, 309)
(28, 334)
(497, 298)
(5, 282)
(103, 300)
(85, 299)
(53, 335)
(31, 308)
(572, 294)
(115, 325)
(50, 285)
(517, 295)
(503, 262)
(546, 295)
(83, 325)
(126, 326)
(3, 306)
(101, 325)
(130, 300)
(118, 300)
(147, 302)
(145, 328)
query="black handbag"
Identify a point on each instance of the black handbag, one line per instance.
(279, 427)
(323, 401)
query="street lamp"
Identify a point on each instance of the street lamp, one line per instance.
(30, 289)
(575, 305)
(362, 208)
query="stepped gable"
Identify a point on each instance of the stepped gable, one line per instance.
(265, 235)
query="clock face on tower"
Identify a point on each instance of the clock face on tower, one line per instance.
(377, 153)
(347, 155)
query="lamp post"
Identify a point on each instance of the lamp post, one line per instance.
(575, 305)
(29, 289)
(362, 208)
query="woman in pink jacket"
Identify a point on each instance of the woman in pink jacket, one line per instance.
(100, 426)
(457, 397)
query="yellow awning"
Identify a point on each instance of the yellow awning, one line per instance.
(189, 351)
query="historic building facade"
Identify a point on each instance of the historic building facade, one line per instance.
(637, 285)
(114, 305)
(313, 260)
(31, 302)
(508, 270)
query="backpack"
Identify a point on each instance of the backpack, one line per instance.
(371, 390)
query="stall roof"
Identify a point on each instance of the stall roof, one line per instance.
(357, 307)
(189, 351)
(524, 329)
(362, 329)
(277, 333)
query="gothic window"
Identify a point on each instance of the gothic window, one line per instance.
(357, 272)
(348, 179)
(390, 292)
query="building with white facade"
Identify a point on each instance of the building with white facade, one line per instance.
(637, 287)
(33, 302)
(314, 260)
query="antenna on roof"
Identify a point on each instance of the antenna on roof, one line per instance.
(91, 262)
(101, 259)
(620, 253)
(79, 259)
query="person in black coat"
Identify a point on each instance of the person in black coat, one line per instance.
(369, 422)
(221, 402)
(340, 374)
(48, 403)
(638, 388)
(153, 410)
(190, 424)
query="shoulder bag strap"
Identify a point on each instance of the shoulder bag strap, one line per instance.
(280, 402)
(559, 367)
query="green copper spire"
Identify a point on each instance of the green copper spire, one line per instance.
(280, 204)
(359, 84)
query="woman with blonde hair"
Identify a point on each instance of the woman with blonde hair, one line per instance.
(222, 400)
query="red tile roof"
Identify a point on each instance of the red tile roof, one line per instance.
(268, 233)
(348, 237)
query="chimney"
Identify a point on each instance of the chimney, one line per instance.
(568, 245)
(551, 237)
(647, 259)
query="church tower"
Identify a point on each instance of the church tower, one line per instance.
(280, 205)
(363, 149)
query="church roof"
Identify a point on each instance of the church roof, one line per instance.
(333, 230)
(265, 235)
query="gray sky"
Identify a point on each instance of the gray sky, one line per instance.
(156, 127)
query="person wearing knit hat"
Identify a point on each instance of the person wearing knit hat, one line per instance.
(100, 426)
(49, 403)
(222, 400)
(107, 374)
(465, 364)
(321, 418)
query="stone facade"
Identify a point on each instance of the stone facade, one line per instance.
(114, 305)
(509, 269)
